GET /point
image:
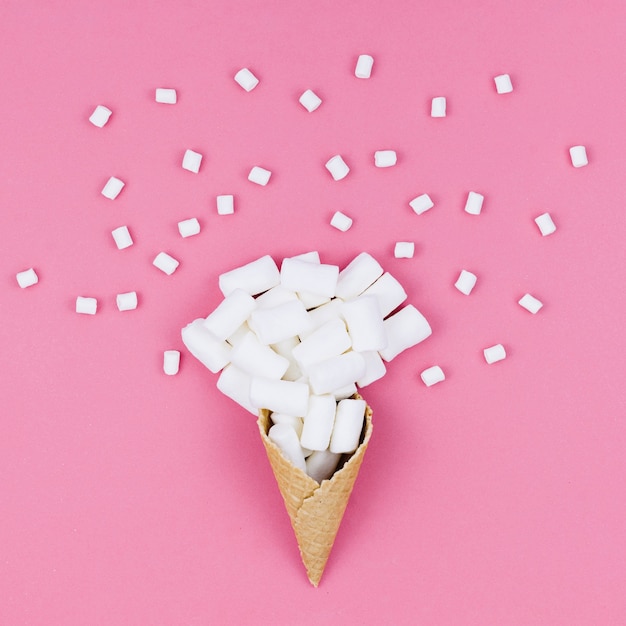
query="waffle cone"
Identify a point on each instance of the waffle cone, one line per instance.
(315, 510)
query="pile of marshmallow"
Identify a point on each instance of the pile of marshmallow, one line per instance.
(299, 340)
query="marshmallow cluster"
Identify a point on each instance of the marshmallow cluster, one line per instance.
(299, 341)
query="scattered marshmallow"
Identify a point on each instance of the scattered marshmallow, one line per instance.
(321, 465)
(259, 175)
(212, 352)
(404, 250)
(171, 362)
(225, 205)
(341, 221)
(246, 79)
(27, 278)
(337, 167)
(405, 329)
(230, 314)
(364, 66)
(165, 263)
(365, 323)
(578, 154)
(100, 116)
(165, 96)
(122, 237)
(474, 203)
(389, 291)
(358, 275)
(318, 422)
(530, 303)
(316, 278)
(348, 425)
(503, 83)
(126, 301)
(112, 188)
(188, 228)
(494, 353)
(438, 107)
(191, 161)
(385, 158)
(336, 372)
(432, 375)
(421, 204)
(545, 223)
(87, 306)
(287, 441)
(465, 282)
(310, 101)
(282, 396)
(254, 277)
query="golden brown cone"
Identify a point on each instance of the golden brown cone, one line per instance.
(315, 510)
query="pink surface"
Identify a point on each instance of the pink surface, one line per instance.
(495, 497)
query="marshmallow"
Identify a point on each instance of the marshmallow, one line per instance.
(126, 301)
(275, 296)
(286, 439)
(474, 203)
(330, 339)
(191, 161)
(347, 391)
(385, 158)
(188, 228)
(364, 65)
(336, 372)
(494, 353)
(280, 322)
(358, 275)
(438, 107)
(235, 384)
(225, 205)
(432, 375)
(246, 79)
(238, 335)
(230, 314)
(312, 257)
(285, 348)
(171, 362)
(348, 426)
(256, 359)
(87, 306)
(341, 221)
(421, 204)
(365, 323)
(404, 250)
(165, 263)
(503, 83)
(337, 167)
(292, 421)
(545, 223)
(318, 422)
(374, 368)
(213, 353)
(100, 116)
(112, 188)
(578, 154)
(310, 101)
(315, 278)
(312, 300)
(465, 282)
(165, 96)
(321, 464)
(254, 277)
(122, 237)
(530, 303)
(322, 314)
(389, 291)
(259, 176)
(27, 278)
(405, 329)
(282, 396)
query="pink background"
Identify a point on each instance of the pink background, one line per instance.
(495, 497)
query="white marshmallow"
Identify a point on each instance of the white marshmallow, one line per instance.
(404, 250)
(315, 278)
(389, 291)
(321, 315)
(432, 375)
(347, 391)
(225, 205)
(318, 422)
(530, 303)
(213, 353)
(330, 339)
(421, 204)
(310, 101)
(578, 154)
(171, 362)
(312, 257)
(280, 322)
(256, 359)
(238, 335)
(494, 353)
(374, 368)
(321, 464)
(188, 228)
(503, 83)
(336, 372)
(235, 384)
(165, 96)
(337, 167)
(230, 314)
(545, 224)
(122, 237)
(285, 348)
(385, 158)
(341, 221)
(112, 188)
(259, 175)
(405, 329)
(465, 282)
(246, 79)
(254, 277)
(294, 422)
(191, 161)
(438, 107)
(312, 300)
(348, 426)
(100, 116)
(275, 296)
(364, 66)
(357, 276)
(286, 439)
(365, 323)
(87, 306)
(27, 278)
(282, 396)
(165, 263)
(474, 203)
(126, 301)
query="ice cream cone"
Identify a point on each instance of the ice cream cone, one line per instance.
(315, 509)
